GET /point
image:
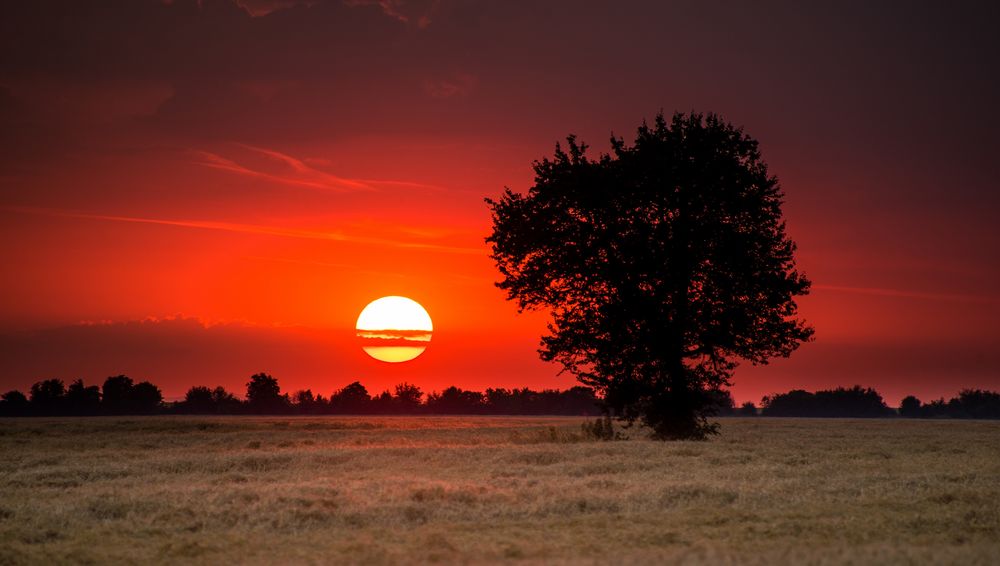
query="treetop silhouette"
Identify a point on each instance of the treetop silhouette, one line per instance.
(662, 265)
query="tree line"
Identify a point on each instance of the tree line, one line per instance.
(865, 402)
(120, 395)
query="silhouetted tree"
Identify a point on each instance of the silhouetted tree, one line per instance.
(910, 407)
(407, 398)
(840, 402)
(578, 401)
(502, 401)
(969, 404)
(382, 404)
(48, 397)
(201, 400)
(14, 404)
(935, 409)
(747, 409)
(855, 401)
(225, 402)
(353, 398)
(307, 404)
(116, 395)
(145, 399)
(304, 397)
(455, 401)
(83, 399)
(795, 403)
(662, 265)
(198, 401)
(323, 402)
(264, 395)
(975, 404)
(121, 396)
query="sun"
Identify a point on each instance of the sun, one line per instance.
(394, 329)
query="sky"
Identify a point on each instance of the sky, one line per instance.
(192, 192)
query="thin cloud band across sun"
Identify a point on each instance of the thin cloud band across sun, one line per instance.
(394, 329)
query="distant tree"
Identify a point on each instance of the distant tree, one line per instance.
(48, 397)
(455, 401)
(14, 404)
(975, 404)
(116, 395)
(83, 399)
(407, 398)
(304, 397)
(225, 402)
(353, 398)
(747, 409)
(502, 401)
(264, 395)
(198, 401)
(145, 399)
(795, 403)
(201, 400)
(383, 404)
(580, 401)
(855, 401)
(121, 396)
(323, 403)
(306, 403)
(910, 407)
(935, 409)
(544, 402)
(722, 401)
(662, 265)
(840, 402)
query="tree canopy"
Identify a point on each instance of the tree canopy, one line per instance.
(264, 394)
(662, 265)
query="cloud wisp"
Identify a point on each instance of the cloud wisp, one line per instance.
(296, 172)
(258, 229)
(904, 294)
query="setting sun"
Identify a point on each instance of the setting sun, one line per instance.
(394, 329)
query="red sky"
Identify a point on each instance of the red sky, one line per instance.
(191, 192)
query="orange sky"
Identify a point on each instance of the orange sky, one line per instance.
(193, 192)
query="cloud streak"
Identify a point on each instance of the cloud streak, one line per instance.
(258, 229)
(297, 172)
(304, 176)
(901, 293)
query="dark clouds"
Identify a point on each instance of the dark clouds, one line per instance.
(876, 77)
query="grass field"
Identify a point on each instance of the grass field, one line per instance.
(487, 489)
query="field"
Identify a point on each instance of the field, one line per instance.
(488, 489)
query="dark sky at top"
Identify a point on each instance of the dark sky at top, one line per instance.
(156, 155)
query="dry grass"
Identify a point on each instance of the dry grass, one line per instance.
(438, 489)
